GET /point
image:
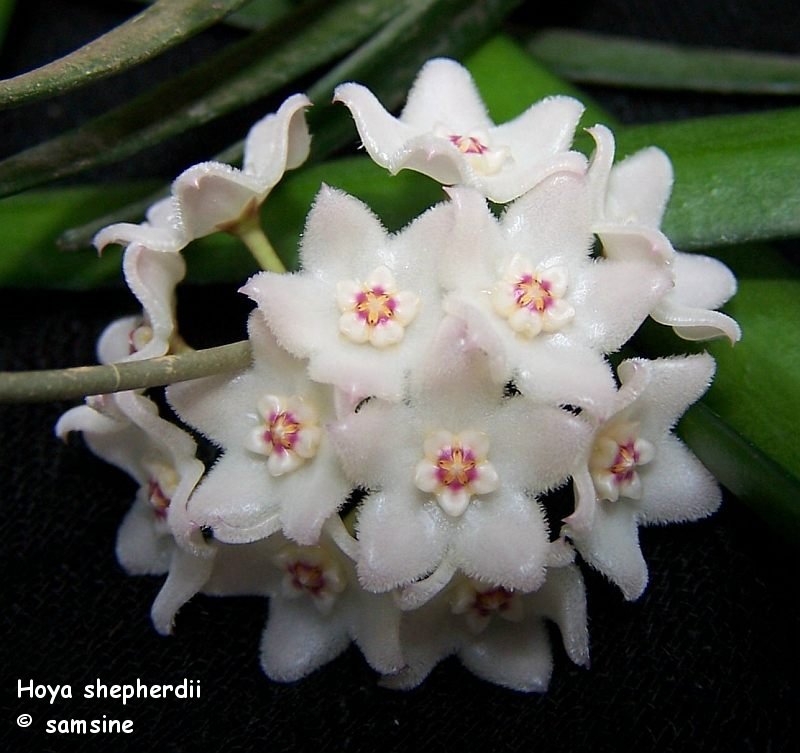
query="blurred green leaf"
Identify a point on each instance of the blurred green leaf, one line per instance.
(735, 176)
(157, 28)
(256, 14)
(510, 81)
(6, 9)
(623, 61)
(244, 72)
(745, 470)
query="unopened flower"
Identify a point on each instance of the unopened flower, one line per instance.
(213, 196)
(637, 472)
(629, 203)
(445, 133)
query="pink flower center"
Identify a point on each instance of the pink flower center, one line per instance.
(307, 577)
(281, 432)
(468, 144)
(533, 293)
(158, 499)
(456, 467)
(493, 601)
(625, 462)
(375, 306)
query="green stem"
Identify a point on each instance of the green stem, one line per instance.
(249, 231)
(68, 384)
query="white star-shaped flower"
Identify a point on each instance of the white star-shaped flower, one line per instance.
(278, 470)
(637, 472)
(365, 304)
(454, 472)
(535, 300)
(317, 607)
(445, 133)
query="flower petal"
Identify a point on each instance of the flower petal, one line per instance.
(402, 538)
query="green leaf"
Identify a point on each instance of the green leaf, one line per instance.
(735, 176)
(257, 14)
(511, 80)
(623, 61)
(6, 9)
(248, 70)
(745, 470)
(157, 28)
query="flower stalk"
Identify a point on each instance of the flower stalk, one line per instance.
(68, 384)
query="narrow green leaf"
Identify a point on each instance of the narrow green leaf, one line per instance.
(511, 80)
(745, 470)
(6, 9)
(258, 14)
(735, 176)
(248, 70)
(624, 61)
(157, 28)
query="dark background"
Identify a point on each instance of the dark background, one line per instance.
(703, 661)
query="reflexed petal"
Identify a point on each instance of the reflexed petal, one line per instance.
(187, 576)
(213, 195)
(381, 133)
(152, 277)
(694, 323)
(278, 142)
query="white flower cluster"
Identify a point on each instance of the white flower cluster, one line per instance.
(414, 396)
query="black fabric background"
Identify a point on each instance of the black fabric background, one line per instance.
(704, 661)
